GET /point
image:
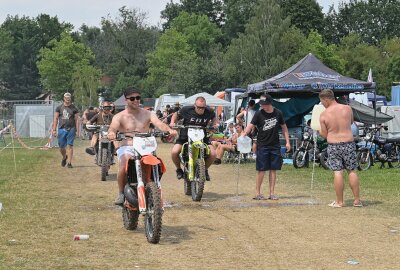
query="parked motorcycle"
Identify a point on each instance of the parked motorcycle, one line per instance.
(192, 157)
(378, 149)
(305, 152)
(104, 149)
(143, 189)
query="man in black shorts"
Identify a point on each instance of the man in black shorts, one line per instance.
(336, 123)
(268, 121)
(197, 115)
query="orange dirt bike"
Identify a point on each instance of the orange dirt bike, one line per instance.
(104, 149)
(143, 189)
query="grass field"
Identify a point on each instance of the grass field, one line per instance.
(44, 205)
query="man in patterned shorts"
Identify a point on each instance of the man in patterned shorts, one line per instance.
(336, 123)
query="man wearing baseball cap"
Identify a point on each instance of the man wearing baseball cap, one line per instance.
(67, 117)
(268, 121)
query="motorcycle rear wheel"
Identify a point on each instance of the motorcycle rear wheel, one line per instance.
(300, 158)
(130, 218)
(153, 217)
(199, 180)
(364, 159)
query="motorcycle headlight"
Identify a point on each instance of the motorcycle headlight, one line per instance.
(104, 133)
(368, 136)
(306, 135)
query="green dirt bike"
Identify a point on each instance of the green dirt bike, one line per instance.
(192, 157)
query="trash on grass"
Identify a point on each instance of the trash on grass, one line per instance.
(81, 237)
(353, 262)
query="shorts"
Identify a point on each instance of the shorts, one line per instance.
(342, 156)
(268, 158)
(125, 150)
(66, 137)
(182, 140)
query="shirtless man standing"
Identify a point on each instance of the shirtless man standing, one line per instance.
(336, 123)
(133, 118)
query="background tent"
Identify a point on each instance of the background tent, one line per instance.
(302, 83)
(307, 77)
(120, 103)
(211, 100)
(365, 114)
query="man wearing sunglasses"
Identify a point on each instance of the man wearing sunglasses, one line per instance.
(197, 115)
(132, 119)
(104, 117)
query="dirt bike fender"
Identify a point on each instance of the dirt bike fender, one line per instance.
(202, 145)
(150, 160)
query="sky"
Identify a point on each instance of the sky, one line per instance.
(90, 12)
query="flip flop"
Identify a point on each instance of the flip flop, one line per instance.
(334, 204)
(358, 204)
(259, 197)
(273, 197)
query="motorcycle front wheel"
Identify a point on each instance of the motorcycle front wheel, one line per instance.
(153, 217)
(104, 164)
(300, 158)
(199, 180)
(364, 159)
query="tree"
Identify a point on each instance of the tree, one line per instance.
(372, 20)
(211, 8)
(28, 36)
(259, 53)
(306, 15)
(6, 56)
(58, 63)
(85, 82)
(172, 66)
(237, 14)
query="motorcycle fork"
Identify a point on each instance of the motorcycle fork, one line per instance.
(156, 179)
(140, 185)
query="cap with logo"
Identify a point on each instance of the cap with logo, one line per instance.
(265, 99)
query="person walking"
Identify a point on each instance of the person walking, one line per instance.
(268, 153)
(67, 117)
(336, 123)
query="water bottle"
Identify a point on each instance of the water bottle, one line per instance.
(81, 237)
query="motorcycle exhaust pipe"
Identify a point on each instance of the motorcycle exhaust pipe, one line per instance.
(131, 196)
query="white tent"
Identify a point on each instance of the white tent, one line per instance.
(211, 100)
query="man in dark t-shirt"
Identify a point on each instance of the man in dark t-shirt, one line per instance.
(268, 121)
(197, 115)
(104, 117)
(67, 117)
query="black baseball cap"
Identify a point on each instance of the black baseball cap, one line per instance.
(265, 99)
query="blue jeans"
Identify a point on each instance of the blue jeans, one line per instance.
(66, 137)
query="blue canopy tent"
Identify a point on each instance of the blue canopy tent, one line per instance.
(302, 83)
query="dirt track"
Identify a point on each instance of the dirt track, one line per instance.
(223, 231)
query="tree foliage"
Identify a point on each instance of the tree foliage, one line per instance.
(306, 15)
(258, 53)
(211, 8)
(372, 20)
(28, 35)
(58, 63)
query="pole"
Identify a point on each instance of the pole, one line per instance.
(374, 107)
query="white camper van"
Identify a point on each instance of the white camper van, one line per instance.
(169, 99)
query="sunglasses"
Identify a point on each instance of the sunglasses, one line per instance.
(200, 108)
(134, 98)
(107, 108)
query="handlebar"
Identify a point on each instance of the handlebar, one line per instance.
(208, 128)
(94, 126)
